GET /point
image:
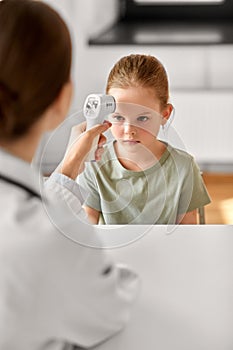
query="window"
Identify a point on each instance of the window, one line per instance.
(171, 22)
(205, 10)
(179, 2)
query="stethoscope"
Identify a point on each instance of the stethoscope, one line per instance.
(18, 184)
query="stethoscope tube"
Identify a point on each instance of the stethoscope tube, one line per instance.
(20, 185)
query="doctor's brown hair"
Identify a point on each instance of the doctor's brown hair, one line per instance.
(35, 63)
(140, 71)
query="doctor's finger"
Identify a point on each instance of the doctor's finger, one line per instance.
(98, 129)
(98, 153)
(102, 140)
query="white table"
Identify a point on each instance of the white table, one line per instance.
(186, 296)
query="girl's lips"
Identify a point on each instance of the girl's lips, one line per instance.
(131, 141)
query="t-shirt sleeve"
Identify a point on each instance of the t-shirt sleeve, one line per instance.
(88, 181)
(194, 193)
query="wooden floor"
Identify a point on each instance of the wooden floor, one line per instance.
(220, 188)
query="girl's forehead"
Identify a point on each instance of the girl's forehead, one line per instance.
(135, 98)
(134, 110)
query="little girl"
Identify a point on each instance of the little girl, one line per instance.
(140, 179)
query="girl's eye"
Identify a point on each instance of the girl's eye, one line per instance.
(142, 118)
(118, 118)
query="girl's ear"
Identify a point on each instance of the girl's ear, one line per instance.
(166, 113)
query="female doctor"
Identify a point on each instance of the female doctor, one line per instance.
(54, 292)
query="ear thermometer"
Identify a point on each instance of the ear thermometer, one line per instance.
(96, 108)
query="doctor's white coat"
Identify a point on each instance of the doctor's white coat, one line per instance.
(54, 292)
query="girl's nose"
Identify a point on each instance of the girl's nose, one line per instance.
(129, 129)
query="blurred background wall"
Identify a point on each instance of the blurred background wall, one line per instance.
(201, 84)
(201, 79)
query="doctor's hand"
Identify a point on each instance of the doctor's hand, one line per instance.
(79, 146)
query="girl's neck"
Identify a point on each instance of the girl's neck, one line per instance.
(141, 160)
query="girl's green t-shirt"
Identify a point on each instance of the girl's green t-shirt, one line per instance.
(173, 186)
